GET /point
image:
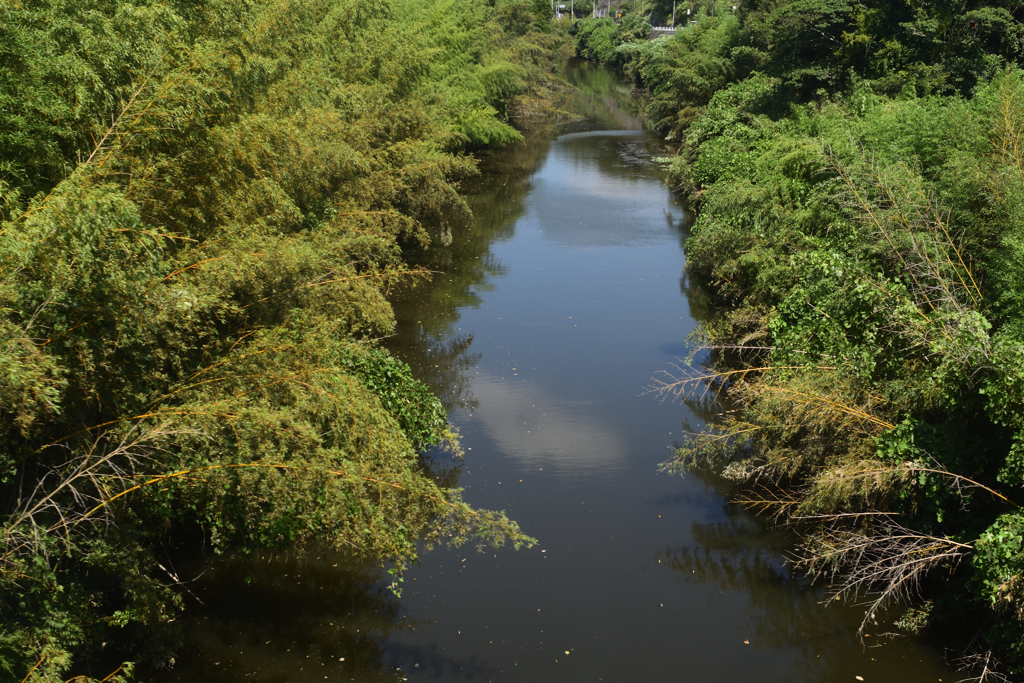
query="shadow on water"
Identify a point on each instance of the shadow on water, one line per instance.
(285, 618)
(279, 619)
(740, 555)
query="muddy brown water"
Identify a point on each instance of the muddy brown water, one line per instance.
(556, 306)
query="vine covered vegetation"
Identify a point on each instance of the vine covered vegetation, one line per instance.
(859, 174)
(202, 209)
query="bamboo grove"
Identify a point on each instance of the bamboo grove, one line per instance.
(858, 170)
(202, 209)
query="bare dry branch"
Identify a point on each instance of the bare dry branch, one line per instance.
(885, 561)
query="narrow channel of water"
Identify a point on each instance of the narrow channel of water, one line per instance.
(561, 301)
(556, 306)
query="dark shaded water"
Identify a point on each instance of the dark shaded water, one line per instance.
(555, 308)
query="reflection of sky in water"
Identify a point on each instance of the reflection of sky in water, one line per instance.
(534, 426)
(597, 189)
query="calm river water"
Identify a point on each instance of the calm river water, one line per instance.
(556, 306)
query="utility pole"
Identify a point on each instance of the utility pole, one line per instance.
(673, 12)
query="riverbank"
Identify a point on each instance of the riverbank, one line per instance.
(203, 209)
(858, 230)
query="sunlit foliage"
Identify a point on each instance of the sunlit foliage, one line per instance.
(864, 255)
(857, 170)
(203, 207)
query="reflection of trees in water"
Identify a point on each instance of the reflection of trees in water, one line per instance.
(701, 303)
(680, 225)
(604, 97)
(734, 556)
(444, 367)
(304, 618)
(618, 156)
(280, 619)
(434, 663)
(739, 557)
(700, 407)
(428, 337)
(444, 471)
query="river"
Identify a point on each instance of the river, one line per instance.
(556, 306)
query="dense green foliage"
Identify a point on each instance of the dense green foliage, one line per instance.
(599, 39)
(203, 206)
(859, 174)
(813, 48)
